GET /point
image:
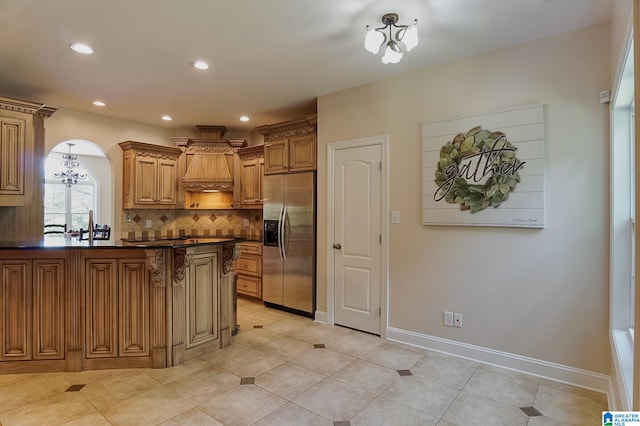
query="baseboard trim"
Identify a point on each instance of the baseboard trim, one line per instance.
(321, 316)
(549, 370)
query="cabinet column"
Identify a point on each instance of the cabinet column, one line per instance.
(156, 264)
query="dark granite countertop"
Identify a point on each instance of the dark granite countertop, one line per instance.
(50, 242)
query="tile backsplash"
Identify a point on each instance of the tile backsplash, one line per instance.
(203, 223)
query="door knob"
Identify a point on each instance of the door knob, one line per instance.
(337, 246)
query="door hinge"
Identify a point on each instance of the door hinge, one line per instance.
(380, 239)
(380, 311)
(380, 165)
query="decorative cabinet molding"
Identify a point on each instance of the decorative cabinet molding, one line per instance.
(290, 146)
(249, 269)
(150, 175)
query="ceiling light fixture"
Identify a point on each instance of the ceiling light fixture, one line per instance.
(85, 49)
(406, 35)
(244, 118)
(167, 118)
(69, 176)
(200, 65)
(99, 103)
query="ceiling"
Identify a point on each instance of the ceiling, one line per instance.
(269, 60)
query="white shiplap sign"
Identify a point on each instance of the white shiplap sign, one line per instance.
(504, 176)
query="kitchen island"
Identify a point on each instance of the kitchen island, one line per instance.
(68, 305)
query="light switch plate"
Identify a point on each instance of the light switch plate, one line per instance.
(149, 223)
(395, 216)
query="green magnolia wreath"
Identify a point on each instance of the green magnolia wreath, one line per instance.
(486, 153)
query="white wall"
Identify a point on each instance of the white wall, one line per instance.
(541, 294)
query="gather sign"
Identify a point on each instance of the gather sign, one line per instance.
(485, 169)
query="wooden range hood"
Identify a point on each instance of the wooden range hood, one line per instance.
(209, 160)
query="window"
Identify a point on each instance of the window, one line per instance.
(632, 202)
(68, 205)
(622, 255)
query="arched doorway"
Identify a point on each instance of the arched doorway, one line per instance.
(70, 203)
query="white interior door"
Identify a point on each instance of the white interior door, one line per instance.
(357, 237)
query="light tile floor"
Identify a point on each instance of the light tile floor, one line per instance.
(283, 369)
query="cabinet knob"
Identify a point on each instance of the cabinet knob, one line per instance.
(337, 246)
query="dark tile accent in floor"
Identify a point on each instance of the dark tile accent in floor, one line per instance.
(318, 345)
(531, 411)
(74, 388)
(257, 326)
(247, 380)
(405, 372)
(342, 423)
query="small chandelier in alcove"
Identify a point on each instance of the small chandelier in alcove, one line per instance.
(70, 176)
(399, 36)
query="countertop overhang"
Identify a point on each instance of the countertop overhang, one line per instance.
(61, 242)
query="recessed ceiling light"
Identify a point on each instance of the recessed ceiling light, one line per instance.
(167, 118)
(99, 103)
(85, 49)
(200, 65)
(244, 118)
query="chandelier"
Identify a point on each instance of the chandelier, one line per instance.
(70, 175)
(399, 35)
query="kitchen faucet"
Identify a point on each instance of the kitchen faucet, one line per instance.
(90, 227)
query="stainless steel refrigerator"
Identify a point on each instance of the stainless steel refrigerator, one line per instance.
(289, 237)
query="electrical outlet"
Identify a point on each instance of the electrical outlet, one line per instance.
(448, 318)
(149, 223)
(457, 320)
(246, 223)
(127, 218)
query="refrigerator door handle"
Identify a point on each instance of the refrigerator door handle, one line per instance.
(279, 232)
(283, 233)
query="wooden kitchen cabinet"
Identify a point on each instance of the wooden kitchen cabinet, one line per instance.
(21, 138)
(150, 175)
(21, 172)
(32, 309)
(248, 266)
(201, 288)
(290, 146)
(251, 174)
(116, 296)
(94, 307)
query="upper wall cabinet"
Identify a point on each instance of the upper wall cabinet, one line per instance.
(251, 173)
(150, 177)
(290, 146)
(21, 149)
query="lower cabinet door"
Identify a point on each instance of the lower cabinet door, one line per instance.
(48, 309)
(133, 302)
(201, 287)
(15, 305)
(101, 304)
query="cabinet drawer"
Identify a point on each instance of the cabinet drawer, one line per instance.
(249, 286)
(251, 247)
(249, 265)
